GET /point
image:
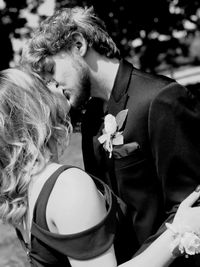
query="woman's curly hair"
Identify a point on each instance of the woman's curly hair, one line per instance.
(30, 117)
(56, 33)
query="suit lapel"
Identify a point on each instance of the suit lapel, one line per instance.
(116, 103)
(119, 96)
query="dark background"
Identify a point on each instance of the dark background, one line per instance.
(160, 36)
(156, 35)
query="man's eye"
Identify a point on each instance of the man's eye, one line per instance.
(51, 71)
(49, 68)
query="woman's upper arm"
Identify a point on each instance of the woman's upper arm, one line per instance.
(75, 204)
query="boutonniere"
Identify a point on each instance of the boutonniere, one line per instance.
(112, 136)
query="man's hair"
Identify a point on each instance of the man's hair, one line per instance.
(56, 32)
(30, 117)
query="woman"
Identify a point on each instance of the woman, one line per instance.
(62, 215)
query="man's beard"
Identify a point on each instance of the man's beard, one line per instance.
(78, 105)
(80, 98)
(81, 94)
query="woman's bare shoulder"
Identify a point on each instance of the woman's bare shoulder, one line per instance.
(75, 204)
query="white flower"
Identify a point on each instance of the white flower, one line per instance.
(110, 124)
(190, 243)
(111, 134)
(187, 241)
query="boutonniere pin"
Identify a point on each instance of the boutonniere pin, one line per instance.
(112, 136)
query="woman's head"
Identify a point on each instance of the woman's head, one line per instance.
(31, 116)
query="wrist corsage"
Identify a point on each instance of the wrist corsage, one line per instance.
(185, 242)
(111, 133)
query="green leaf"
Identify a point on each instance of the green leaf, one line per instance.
(120, 118)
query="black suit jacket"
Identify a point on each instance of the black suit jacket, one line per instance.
(155, 176)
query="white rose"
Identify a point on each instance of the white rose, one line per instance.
(191, 243)
(110, 124)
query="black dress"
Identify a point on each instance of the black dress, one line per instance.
(51, 249)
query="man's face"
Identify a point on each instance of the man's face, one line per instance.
(69, 75)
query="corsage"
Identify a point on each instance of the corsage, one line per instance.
(111, 133)
(185, 242)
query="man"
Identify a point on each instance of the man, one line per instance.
(152, 161)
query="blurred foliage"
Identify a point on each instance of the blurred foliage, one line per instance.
(155, 35)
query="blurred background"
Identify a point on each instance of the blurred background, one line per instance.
(161, 36)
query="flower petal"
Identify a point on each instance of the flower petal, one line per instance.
(102, 138)
(110, 124)
(118, 140)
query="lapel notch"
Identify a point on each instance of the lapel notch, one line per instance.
(119, 96)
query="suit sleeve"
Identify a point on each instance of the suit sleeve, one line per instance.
(174, 129)
(174, 132)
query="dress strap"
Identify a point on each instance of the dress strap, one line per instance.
(39, 214)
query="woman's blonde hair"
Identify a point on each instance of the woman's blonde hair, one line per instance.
(31, 116)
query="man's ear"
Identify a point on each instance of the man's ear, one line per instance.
(80, 44)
